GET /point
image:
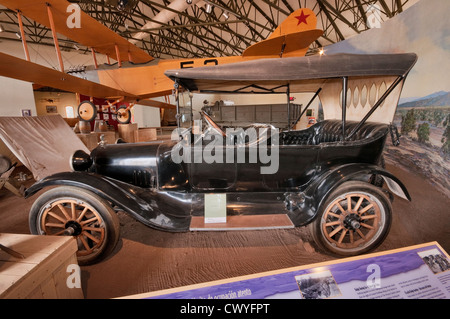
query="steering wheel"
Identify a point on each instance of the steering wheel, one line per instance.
(212, 124)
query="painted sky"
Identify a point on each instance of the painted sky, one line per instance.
(424, 29)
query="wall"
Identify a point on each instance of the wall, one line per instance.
(56, 99)
(255, 99)
(16, 96)
(422, 29)
(146, 116)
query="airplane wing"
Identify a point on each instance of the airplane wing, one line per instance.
(23, 70)
(91, 33)
(158, 104)
(20, 69)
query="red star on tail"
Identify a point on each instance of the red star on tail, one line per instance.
(302, 18)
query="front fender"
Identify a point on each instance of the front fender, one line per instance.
(159, 210)
(316, 194)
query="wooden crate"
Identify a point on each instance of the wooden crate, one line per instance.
(145, 135)
(126, 132)
(43, 273)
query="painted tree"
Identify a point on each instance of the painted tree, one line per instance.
(438, 117)
(408, 122)
(446, 136)
(423, 132)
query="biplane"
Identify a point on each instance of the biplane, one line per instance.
(143, 77)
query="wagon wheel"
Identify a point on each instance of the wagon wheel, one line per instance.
(355, 220)
(123, 115)
(87, 111)
(70, 211)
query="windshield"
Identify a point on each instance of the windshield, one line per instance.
(185, 109)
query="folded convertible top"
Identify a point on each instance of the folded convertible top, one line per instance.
(282, 71)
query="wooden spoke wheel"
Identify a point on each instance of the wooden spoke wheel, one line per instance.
(356, 219)
(69, 211)
(123, 115)
(87, 111)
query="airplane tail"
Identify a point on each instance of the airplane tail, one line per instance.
(291, 38)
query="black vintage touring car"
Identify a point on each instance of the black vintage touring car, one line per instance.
(329, 176)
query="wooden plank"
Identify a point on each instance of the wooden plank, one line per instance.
(73, 293)
(36, 293)
(59, 278)
(17, 268)
(91, 33)
(30, 244)
(243, 222)
(145, 135)
(7, 281)
(47, 290)
(127, 132)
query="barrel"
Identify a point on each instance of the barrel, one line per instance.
(85, 127)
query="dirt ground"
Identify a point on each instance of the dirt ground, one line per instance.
(148, 260)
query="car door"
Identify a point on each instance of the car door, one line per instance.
(209, 168)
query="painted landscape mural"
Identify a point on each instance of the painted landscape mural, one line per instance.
(423, 115)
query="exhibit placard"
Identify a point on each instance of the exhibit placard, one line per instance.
(415, 272)
(215, 208)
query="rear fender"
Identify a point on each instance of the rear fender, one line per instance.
(315, 195)
(155, 209)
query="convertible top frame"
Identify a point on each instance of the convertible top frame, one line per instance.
(290, 75)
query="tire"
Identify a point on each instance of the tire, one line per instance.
(72, 211)
(87, 111)
(345, 232)
(123, 115)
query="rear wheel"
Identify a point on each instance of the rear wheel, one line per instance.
(72, 211)
(356, 218)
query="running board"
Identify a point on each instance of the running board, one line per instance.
(243, 222)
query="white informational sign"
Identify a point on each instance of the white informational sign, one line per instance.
(215, 208)
(416, 272)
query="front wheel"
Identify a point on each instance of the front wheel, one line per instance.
(123, 115)
(87, 111)
(72, 211)
(356, 218)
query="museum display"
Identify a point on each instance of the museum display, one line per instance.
(329, 177)
(87, 112)
(131, 72)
